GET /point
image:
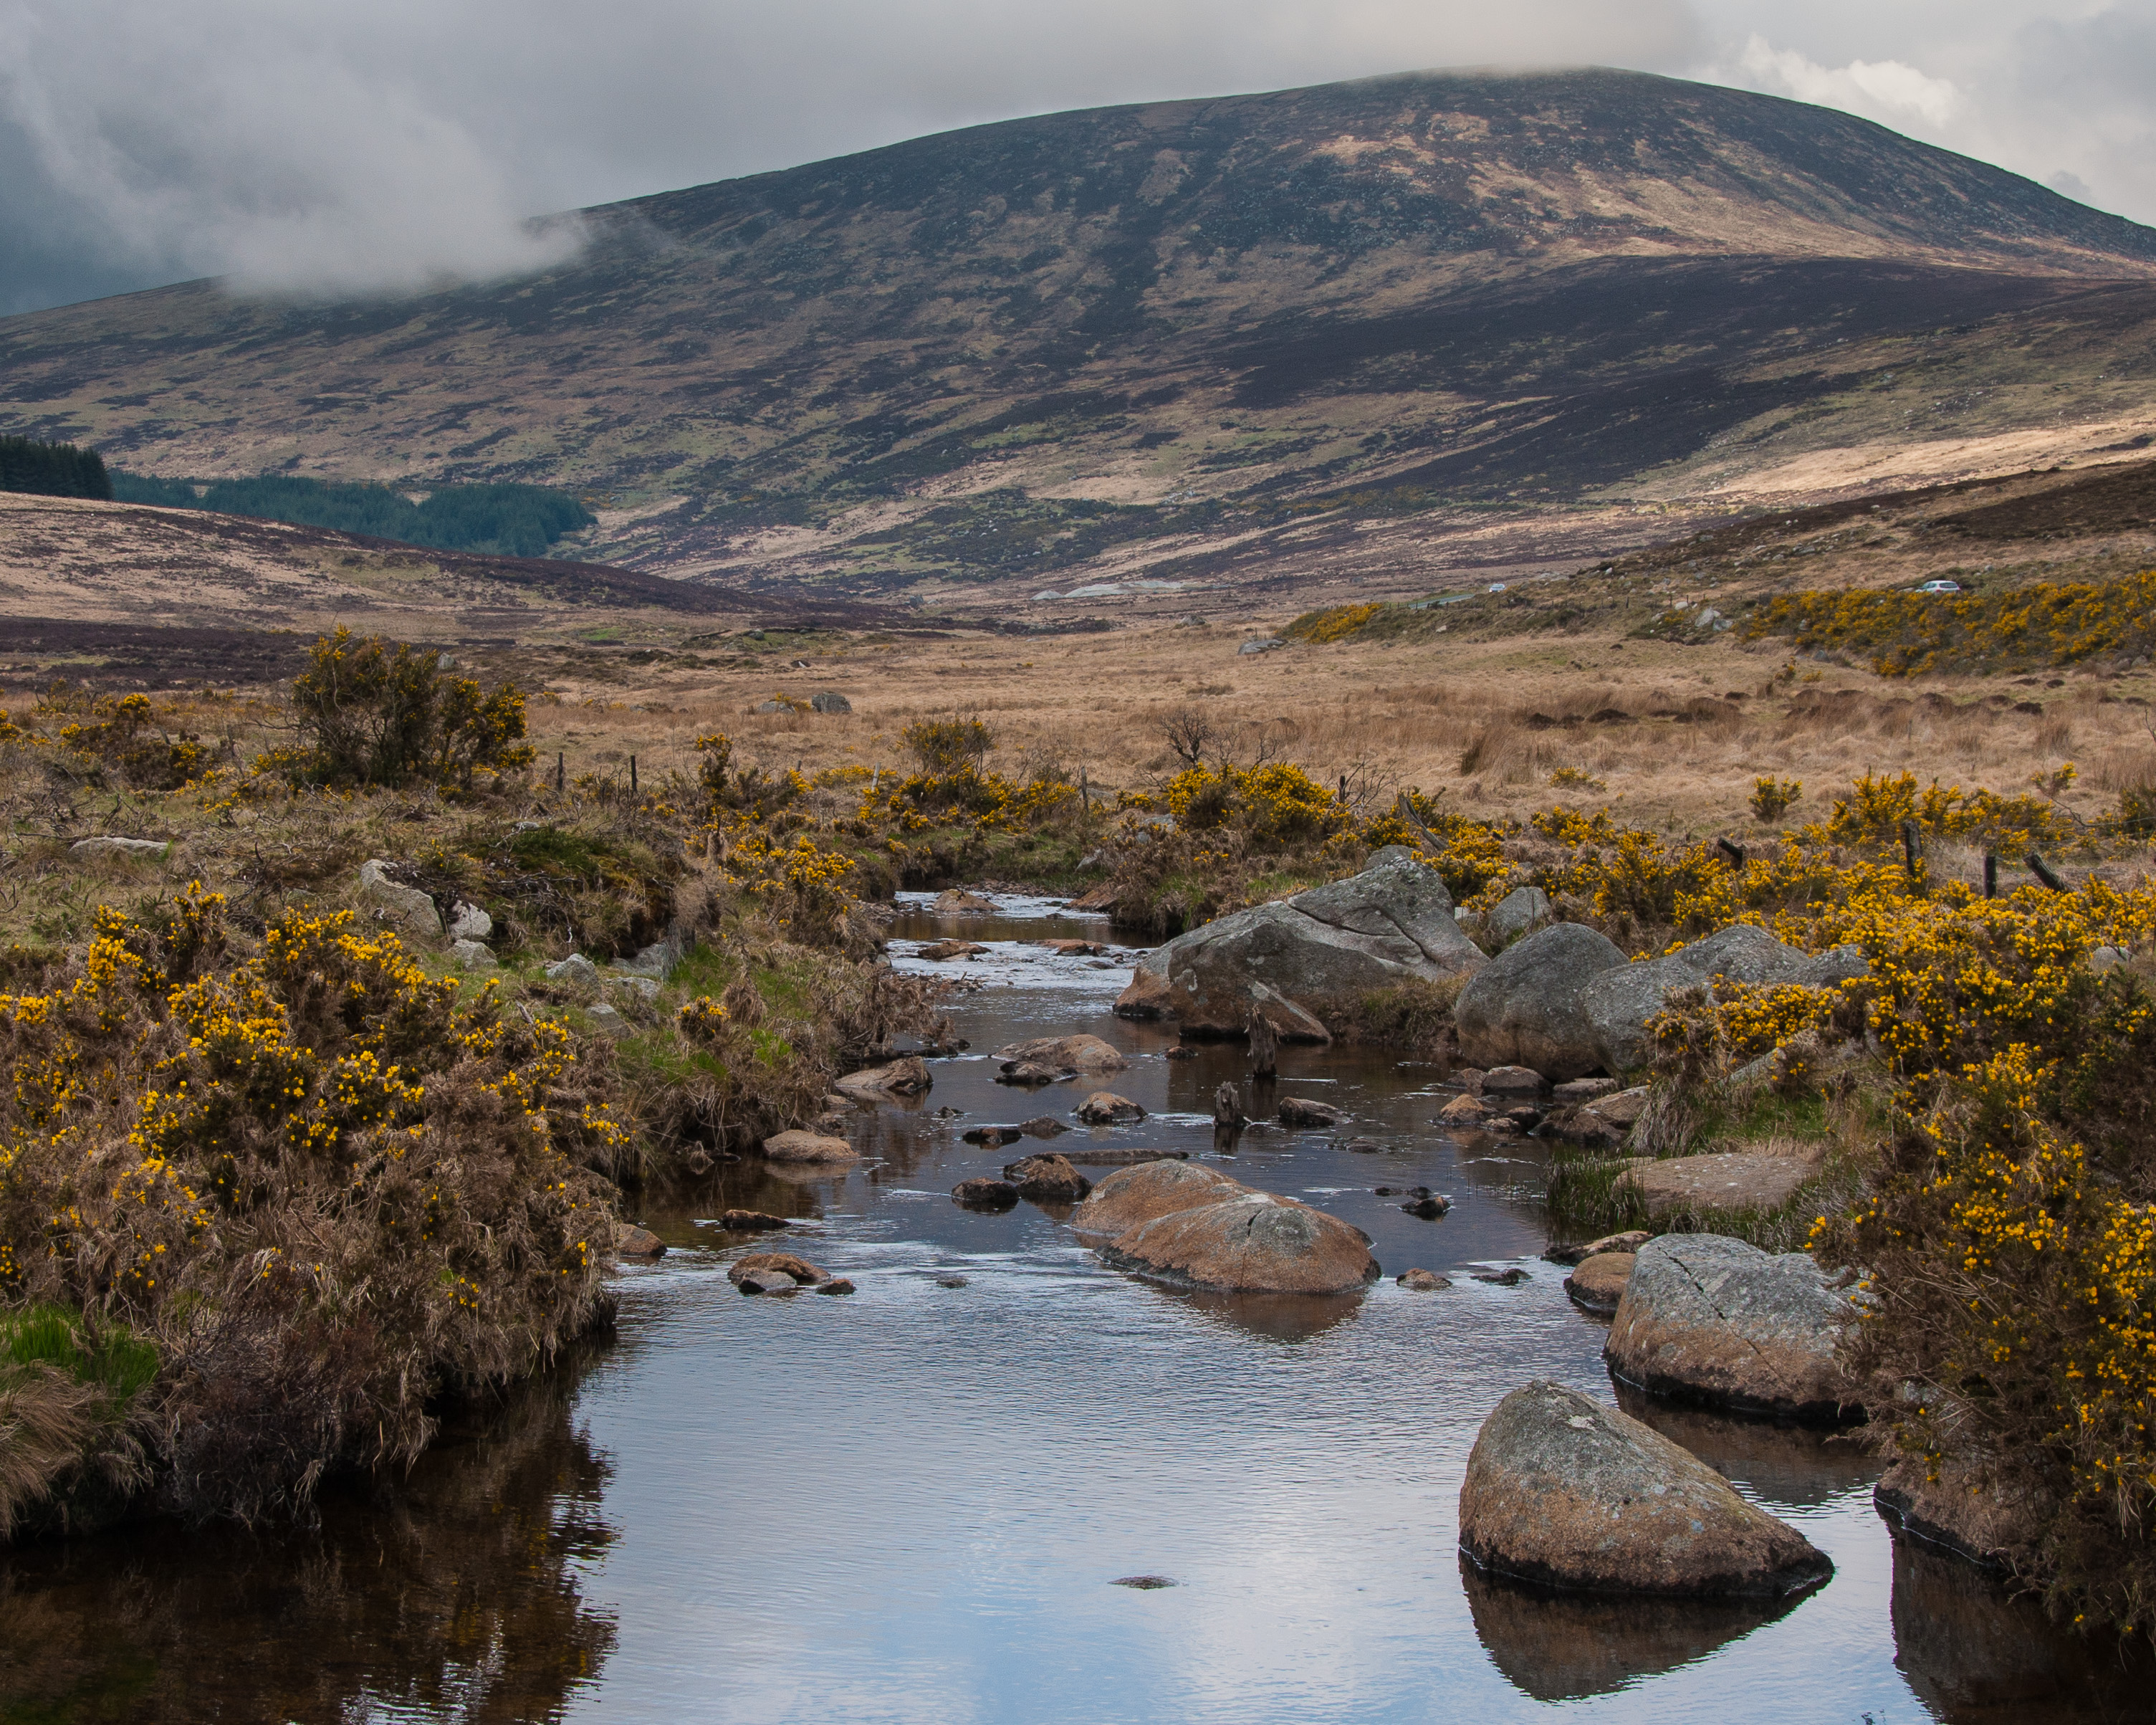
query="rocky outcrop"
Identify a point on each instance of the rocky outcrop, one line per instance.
(1619, 1002)
(404, 908)
(1075, 1053)
(1317, 954)
(1563, 1491)
(1192, 1226)
(1716, 1321)
(800, 1147)
(1523, 1008)
(908, 1078)
(1047, 1179)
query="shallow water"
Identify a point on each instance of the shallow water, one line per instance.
(913, 1503)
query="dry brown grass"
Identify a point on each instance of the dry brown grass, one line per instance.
(1677, 733)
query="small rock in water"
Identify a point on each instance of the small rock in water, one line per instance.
(1042, 1125)
(1031, 1074)
(984, 1193)
(631, 1242)
(1511, 1277)
(1422, 1281)
(1296, 1111)
(1428, 1209)
(1103, 1107)
(1364, 1147)
(957, 899)
(1597, 1284)
(1144, 1583)
(1384, 1191)
(750, 1221)
(1628, 1241)
(993, 1134)
(937, 951)
(1047, 1179)
(950, 1281)
(947, 1112)
(777, 1272)
(1181, 1051)
(837, 1285)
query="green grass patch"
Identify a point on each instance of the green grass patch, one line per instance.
(118, 1361)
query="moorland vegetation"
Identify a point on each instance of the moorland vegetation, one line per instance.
(239, 1101)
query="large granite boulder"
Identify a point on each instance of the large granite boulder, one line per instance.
(1709, 1319)
(1619, 1002)
(1522, 1008)
(1565, 1492)
(804, 1147)
(1188, 1224)
(1316, 955)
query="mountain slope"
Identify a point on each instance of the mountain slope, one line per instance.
(1186, 338)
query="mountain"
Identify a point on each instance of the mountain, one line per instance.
(1363, 332)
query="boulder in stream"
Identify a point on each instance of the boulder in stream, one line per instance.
(1316, 955)
(1597, 1284)
(957, 901)
(984, 1193)
(1103, 1107)
(1047, 1179)
(631, 1242)
(1188, 1225)
(800, 1147)
(774, 1273)
(1523, 1008)
(1077, 1053)
(1300, 1111)
(1565, 1492)
(1713, 1320)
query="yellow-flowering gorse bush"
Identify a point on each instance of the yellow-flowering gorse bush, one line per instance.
(319, 1184)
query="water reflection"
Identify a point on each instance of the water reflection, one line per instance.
(452, 1594)
(1976, 1656)
(1567, 1646)
(1798, 1467)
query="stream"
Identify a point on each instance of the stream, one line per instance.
(916, 1503)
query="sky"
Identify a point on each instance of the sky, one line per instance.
(313, 146)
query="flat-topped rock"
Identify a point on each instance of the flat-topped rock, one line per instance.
(1713, 1320)
(984, 1194)
(1725, 1180)
(1300, 1110)
(1564, 1492)
(1317, 954)
(936, 951)
(1192, 1226)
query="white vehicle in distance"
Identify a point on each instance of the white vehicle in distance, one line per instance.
(1497, 587)
(1940, 587)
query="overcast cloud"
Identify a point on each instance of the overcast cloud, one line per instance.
(301, 145)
